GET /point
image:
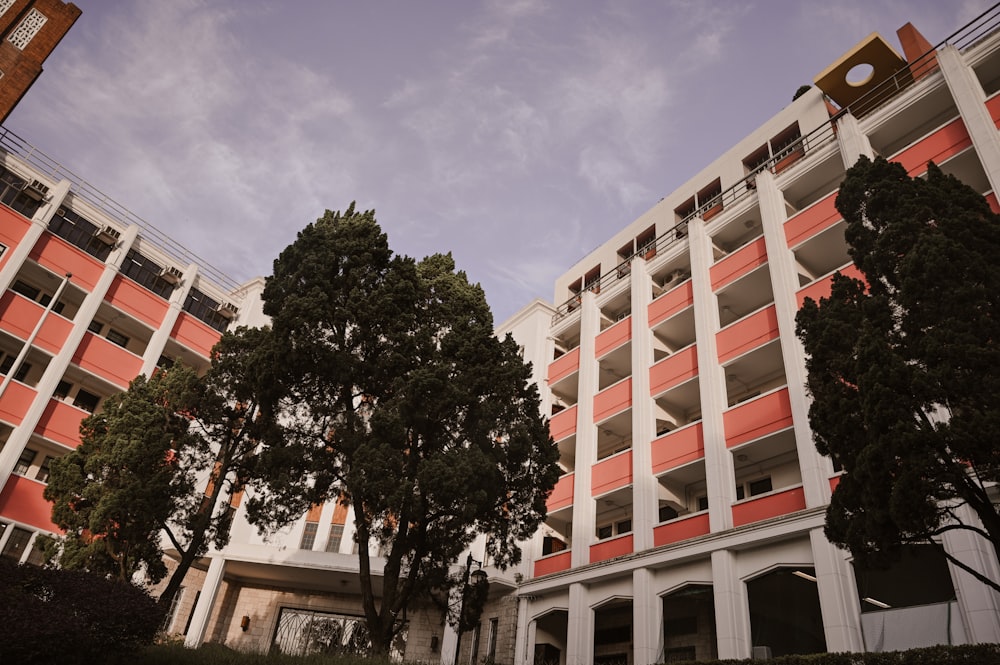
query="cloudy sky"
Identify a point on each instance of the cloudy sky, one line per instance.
(517, 134)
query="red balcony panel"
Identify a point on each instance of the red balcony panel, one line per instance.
(131, 298)
(98, 355)
(739, 263)
(21, 500)
(195, 335)
(60, 422)
(552, 563)
(834, 482)
(670, 303)
(15, 402)
(678, 447)
(19, 316)
(681, 529)
(673, 370)
(613, 337)
(564, 365)
(562, 494)
(991, 198)
(807, 223)
(747, 333)
(611, 473)
(772, 505)
(993, 105)
(609, 549)
(821, 288)
(12, 228)
(563, 423)
(753, 419)
(61, 257)
(613, 399)
(939, 146)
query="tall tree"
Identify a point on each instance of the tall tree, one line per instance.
(902, 367)
(396, 396)
(142, 465)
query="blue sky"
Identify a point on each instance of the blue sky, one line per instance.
(519, 134)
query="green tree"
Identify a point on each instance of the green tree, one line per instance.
(902, 367)
(142, 465)
(396, 396)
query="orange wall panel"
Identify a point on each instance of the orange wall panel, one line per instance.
(98, 355)
(15, 402)
(612, 399)
(834, 482)
(678, 447)
(670, 303)
(553, 563)
(991, 198)
(747, 333)
(754, 419)
(681, 529)
(195, 335)
(609, 549)
(772, 505)
(821, 288)
(738, 263)
(807, 223)
(61, 257)
(562, 494)
(564, 365)
(673, 370)
(22, 500)
(939, 146)
(613, 337)
(133, 299)
(18, 316)
(611, 473)
(60, 422)
(12, 228)
(563, 423)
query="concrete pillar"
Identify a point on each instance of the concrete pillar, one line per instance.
(719, 475)
(206, 601)
(584, 509)
(644, 503)
(160, 337)
(979, 604)
(647, 619)
(580, 627)
(838, 596)
(732, 613)
(852, 141)
(815, 468)
(524, 634)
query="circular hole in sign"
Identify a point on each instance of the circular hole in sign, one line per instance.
(861, 74)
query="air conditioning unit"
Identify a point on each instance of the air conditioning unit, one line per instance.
(228, 310)
(172, 275)
(624, 315)
(673, 279)
(109, 235)
(36, 190)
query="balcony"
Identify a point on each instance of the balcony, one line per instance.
(61, 257)
(15, 402)
(19, 316)
(766, 506)
(807, 223)
(12, 228)
(611, 548)
(21, 500)
(673, 370)
(60, 422)
(611, 473)
(759, 417)
(940, 145)
(737, 264)
(563, 423)
(107, 360)
(195, 335)
(613, 400)
(564, 365)
(670, 303)
(678, 447)
(682, 528)
(553, 563)
(746, 334)
(821, 287)
(562, 494)
(613, 337)
(136, 301)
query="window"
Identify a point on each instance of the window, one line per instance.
(309, 536)
(36, 555)
(27, 29)
(702, 503)
(16, 543)
(604, 532)
(86, 401)
(8, 362)
(753, 488)
(95, 327)
(625, 526)
(336, 535)
(491, 643)
(80, 233)
(12, 196)
(205, 309)
(147, 273)
(667, 513)
(24, 461)
(616, 529)
(474, 654)
(62, 390)
(43, 470)
(116, 337)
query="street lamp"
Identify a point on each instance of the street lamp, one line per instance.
(479, 587)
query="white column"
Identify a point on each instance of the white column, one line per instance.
(644, 503)
(971, 102)
(206, 601)
(815, 468)
(580, 627)
(838, 597)
(449, 639)
(732, 613)
(524, 635)
(584, 509)
(160, 337)
(852, 141)
(719, 476)
(980, 605)
(39, 222)
(647, 611)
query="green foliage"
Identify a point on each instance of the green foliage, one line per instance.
(63, 616)
(802, 89)
(216, 654)
(902, 367)
(395, 394)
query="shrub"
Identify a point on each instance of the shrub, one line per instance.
(69, 617)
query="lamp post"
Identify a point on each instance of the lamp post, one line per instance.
(460, 628)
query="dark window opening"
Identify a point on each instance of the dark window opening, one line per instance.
(205, 309)
(12, 196)
(80, 233)
(147, 273)
(86, 401)
(785, 616)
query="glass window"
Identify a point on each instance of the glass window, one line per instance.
(86, 401)
(336, 535)
(118, 338)
(16, 543)
(147, 273)
(80, 232)
(205, 309)
(309, 536)
(43, 470)
(24, 461)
